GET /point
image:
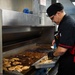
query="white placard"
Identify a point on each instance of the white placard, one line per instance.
(43, 2)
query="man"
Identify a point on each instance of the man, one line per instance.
(65, 39)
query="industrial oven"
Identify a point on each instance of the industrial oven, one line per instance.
(24, 44)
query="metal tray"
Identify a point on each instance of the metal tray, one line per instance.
(45, 65)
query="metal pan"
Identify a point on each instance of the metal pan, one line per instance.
(45, 65)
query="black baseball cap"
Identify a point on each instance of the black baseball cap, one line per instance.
(52, 9)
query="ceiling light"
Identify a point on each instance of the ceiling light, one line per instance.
(57, 1)
(73, 3)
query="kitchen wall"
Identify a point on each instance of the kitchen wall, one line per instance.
(19, 5)
(16, 5)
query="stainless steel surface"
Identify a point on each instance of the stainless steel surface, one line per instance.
(0, 41)
(22, 49)
(36, 8)
(18, 33)
(54, 70)
(23, 33)
(19, 50)
(16, 51)
(18, 27)
(18, 18)
(47, 35)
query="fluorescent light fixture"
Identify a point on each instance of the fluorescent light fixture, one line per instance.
(73, 3)
(57, 1)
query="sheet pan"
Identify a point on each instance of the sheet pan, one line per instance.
(45, 65)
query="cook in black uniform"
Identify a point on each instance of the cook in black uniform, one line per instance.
(65, 39)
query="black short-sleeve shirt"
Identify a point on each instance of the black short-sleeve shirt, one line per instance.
(67, 32)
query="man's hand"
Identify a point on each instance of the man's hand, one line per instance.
(50, 55)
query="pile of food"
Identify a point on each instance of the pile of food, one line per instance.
(45, 60)
(13, 64)
(21, 61)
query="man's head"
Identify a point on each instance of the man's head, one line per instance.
(54, 11)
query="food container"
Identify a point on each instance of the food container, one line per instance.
(44, 63)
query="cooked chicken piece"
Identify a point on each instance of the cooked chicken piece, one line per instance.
(14, 59)
(46, 62)
(11, 68)
(19, 66)
(25, 67)
(5, 60)
(6, 64)
(16, 63)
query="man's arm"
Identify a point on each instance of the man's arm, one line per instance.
(59, 51)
